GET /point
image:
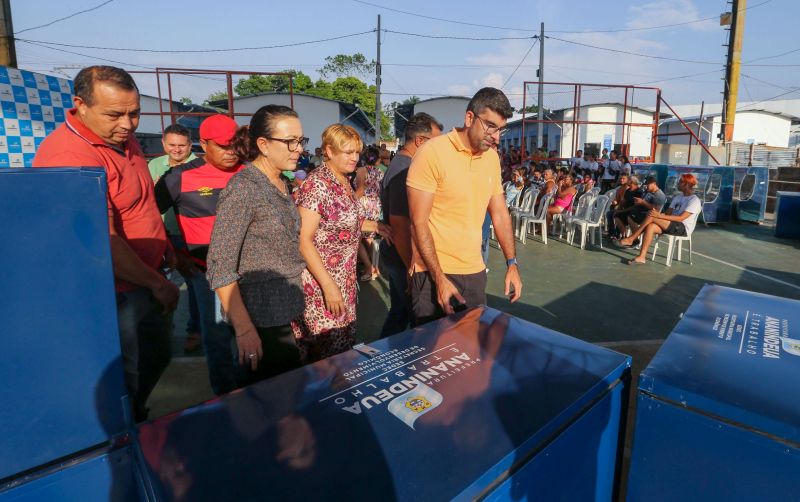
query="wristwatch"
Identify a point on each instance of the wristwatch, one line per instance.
(512, 261)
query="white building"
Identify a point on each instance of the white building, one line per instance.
(607, 132)
(752, 126)
(447, 110)
(315, 113)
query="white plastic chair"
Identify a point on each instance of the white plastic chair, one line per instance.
(539, 218)
(672, 241)
(594, 222)
(524, 208)
(581, 212)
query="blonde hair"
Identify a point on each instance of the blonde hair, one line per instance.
(337, 136)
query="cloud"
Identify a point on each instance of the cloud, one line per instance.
(459, 90)
(661, 13)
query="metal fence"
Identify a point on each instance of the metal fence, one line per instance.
(759, 155)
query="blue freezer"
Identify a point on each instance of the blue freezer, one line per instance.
(718, 414)
(478, 405)
(62, 397)
(787, 215)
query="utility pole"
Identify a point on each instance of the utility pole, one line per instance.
(732, 68)
(8, 51)
(540, 114)
(378, 87)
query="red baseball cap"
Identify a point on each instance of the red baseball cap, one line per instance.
(218, 128)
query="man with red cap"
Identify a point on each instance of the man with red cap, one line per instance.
(99, 131)
(192, 190)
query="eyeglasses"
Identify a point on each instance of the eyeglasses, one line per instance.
(490, 128)
(291, 143)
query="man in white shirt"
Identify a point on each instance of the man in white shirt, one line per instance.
(680, 219)
(612, 169)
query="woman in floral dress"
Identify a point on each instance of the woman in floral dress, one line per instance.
(368, 193)
(332, 222)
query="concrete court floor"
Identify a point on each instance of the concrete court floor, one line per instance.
(591, 294)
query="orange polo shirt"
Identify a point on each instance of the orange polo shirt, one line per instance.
(461, 184)
(131, 199)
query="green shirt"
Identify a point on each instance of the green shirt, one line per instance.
(158, 167)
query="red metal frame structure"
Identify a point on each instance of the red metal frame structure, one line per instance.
(578, 89)
(167, 73)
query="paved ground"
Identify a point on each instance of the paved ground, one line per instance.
(589, 294)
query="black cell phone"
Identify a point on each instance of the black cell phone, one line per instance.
(457, 307)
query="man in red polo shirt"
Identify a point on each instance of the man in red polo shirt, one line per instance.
(192, 190)
(99, 132)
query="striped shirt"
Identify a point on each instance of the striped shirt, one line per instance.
(192, 190)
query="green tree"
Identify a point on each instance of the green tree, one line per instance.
(257, 84)
(185, 100)
(345, 65)
(216, 96)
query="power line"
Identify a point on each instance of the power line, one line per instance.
(478, 25)
(187, 51)
(769, 83)
(90, 9)
(769, 99)
(448, 37)
(520, 63)
(633, 53)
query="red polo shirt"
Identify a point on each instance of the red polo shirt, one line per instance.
(131, 201)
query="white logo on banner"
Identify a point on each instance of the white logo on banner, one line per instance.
(410, 406)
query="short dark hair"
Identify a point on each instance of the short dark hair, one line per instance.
(86, 78)
(493, 99)
(420, 124)
(177, 129)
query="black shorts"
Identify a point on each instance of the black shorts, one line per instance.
(676, 228)
(639, 216)
(424, 301)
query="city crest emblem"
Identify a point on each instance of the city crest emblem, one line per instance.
(417, 404)
(413, 404)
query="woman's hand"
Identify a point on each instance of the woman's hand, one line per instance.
(249, 344)
(334, 302)
(385, 231)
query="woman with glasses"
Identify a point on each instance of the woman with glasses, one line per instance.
(254, 262)
(332, 222)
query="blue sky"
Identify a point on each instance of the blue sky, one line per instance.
(425, 66)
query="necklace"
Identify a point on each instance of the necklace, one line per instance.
(279, 184)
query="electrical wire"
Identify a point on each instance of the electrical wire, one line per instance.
(520, 63)
(448, 37)
(651, 56)
(65, 17)
(478, 25)
(190, 51)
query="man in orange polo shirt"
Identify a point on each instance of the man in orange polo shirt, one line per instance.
(99, 132)
(452, 181)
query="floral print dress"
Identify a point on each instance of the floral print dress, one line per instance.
(371, 201)
(318, 333)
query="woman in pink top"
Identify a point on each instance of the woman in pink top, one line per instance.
(563, 200)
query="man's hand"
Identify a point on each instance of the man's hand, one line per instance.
(167, 295)
(513, 283)
(655, 213)
(445, 292)
(185, 265)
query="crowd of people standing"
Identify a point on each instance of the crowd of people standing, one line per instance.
(268, 238)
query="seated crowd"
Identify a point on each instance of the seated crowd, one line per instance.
(636, 209)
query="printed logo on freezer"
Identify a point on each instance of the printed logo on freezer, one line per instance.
(790, 346)
(415, 403)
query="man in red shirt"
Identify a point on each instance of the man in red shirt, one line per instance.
(99, 132)
(192, 190)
